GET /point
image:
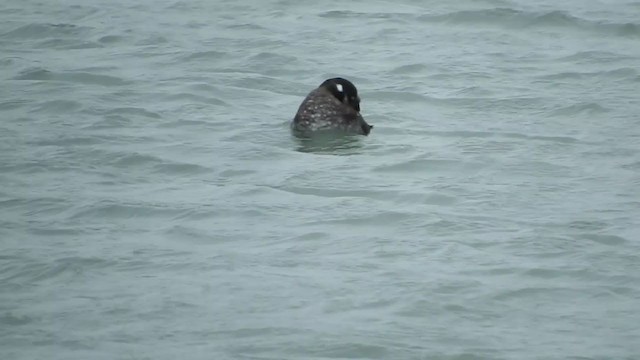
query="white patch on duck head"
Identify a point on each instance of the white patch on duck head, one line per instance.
(339, 87)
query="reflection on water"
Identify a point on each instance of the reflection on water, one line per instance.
(329, 143)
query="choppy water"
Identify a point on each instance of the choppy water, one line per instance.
(153, 204)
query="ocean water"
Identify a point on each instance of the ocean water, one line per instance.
(154, 205)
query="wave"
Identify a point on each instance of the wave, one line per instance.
(13, 104)
(193, 98)
(177, 168)
(39, 31)
(342, 14)
(76, 77)
(155, 164)
(59, 106)
(505, 135)
(11, 320)
(115, 210)
(624, 73)
(606, 239)
(111, 39)
(205, 55)
(442, 165)
(581, 108)
(596, 56)
(134, 111)
(69, 44)
(397, 96)
(28, 271)
(409, 69)
(512, 18)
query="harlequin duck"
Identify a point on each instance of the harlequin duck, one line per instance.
(334, 105)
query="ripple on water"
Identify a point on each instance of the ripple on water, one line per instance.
(272, 64)
(13, 104)
(111, 39)
(589, 108)
(193, 234)
(380, 218)
(39, 31)
(39, 206)
(29, 271)
(205, 56)
(127, 160)
(69, 140)
(152, 41)
(70, 44)
(596, 56)
(111, 122)
(58, 106)
(535, 292)
(325, 192)
(193, 98)
(522, 19)
(404, 96)
(624, 73)
(605, 239)
(107, 209)
(176, 168)
(135, 111)
(10, 319)
(410, 69)
(432, 165)
(348, 14)
(73, 77)
(628, 29)
(35, 74)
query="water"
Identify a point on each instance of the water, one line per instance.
(155, 206)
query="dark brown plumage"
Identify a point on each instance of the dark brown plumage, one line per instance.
(334, 105)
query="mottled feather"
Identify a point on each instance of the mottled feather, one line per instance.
(321, 110)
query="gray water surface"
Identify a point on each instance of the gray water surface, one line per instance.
(153, 204)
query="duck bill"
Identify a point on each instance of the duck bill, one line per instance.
(366, 128)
